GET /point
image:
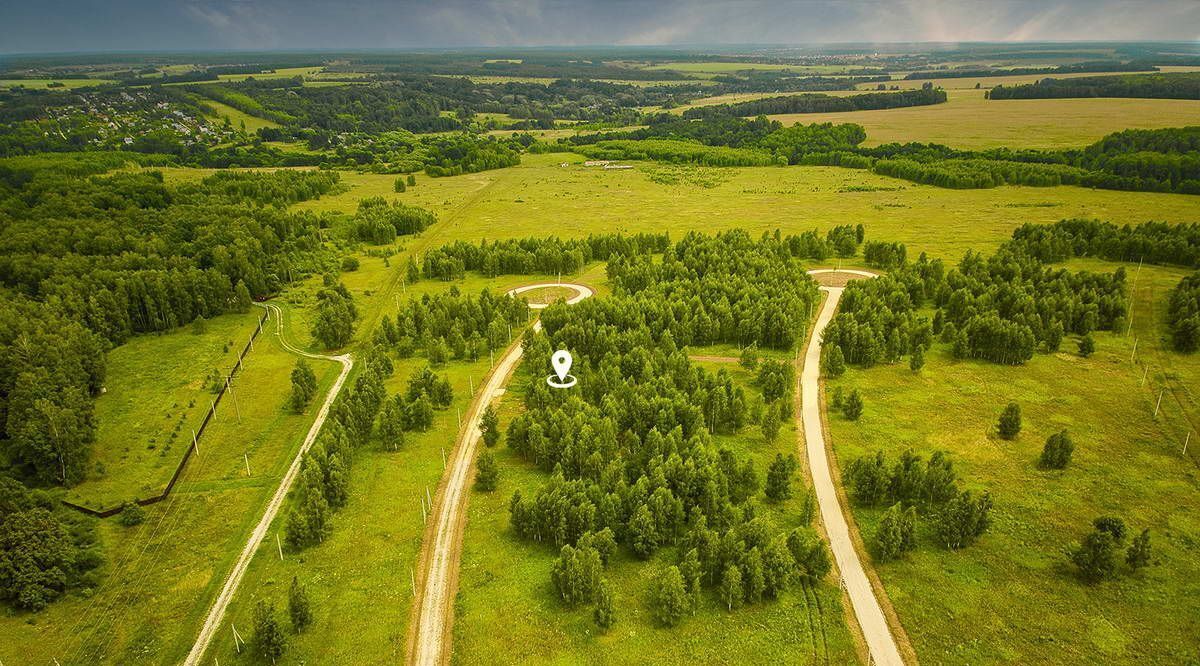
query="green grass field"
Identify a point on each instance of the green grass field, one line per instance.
(160, 577)
(42, 84)
(507, 610)
(1014, 589)
(237, 116)
(539, 197)
(155, 395)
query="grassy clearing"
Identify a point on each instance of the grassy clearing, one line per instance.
(539, 197)
(967, 120)
(160, 577)
(154, 396)
(953, 83)
(508, 612)
(1014, 589)
(237, 116)
(40, 84)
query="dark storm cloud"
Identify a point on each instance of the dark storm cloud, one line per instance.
(61, 25)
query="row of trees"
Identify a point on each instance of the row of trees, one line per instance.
(1174, 85)
(817, 103)
(1000, 309)
(1152, 242)
(534, 255)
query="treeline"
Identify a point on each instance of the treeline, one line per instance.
(713, 289)
(379, 223)
(1173, 85)
(821, 103)
(1153, 242)
(86, 262)
(633, 461)
(1080, 67)
(45, 550)
(1001, 309)
(532, 255)
(1183, 314)
(451, 324)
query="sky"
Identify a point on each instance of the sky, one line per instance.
(38, 26)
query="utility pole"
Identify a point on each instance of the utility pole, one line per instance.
(279, 546)
(1135, 341)
(195, 442)
(1159, 403)
(247, 459)
(1185, 442)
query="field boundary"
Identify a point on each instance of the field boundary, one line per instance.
(187, 453)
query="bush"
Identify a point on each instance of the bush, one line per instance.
(1009, 425)
(1056, 454)
(1087, 346)
(349, 264)
(132, 514)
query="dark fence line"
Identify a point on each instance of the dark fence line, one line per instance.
(187, 454)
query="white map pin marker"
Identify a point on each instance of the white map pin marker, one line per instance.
(561, 360)
(562, 363)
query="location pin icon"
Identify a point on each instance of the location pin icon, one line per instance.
(562, 363)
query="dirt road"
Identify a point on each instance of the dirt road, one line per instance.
(215, 614)
(880, 642)
(434, 606)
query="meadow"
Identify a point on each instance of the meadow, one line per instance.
(539, 197)
(41, 84)
(155, 395)
(1015, 588)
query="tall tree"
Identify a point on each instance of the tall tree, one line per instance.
(268, 639)
(1009, 425)
(299, 606)
(669, 597)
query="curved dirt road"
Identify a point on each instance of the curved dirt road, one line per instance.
(215, 614)
(880, 642)
(433, 608)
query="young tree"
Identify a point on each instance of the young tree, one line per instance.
(1087, 345)
(835, 362)
(1138, 554)
(576, 574)
(779, 478)
(753, 577)
(304, 386)
(391, 423)
(604, 613)
(895, 533)
(1113, 525)
(643, 532)
(487, 474)
(779, 568)
(268, 639)
(299, 606)
(241, 297)
(770, 423)
(412, 180)
(852, 408)
(730, 590)
(308, 520)
(489, 425)
(398, 186)
(1056, 454)
(1009, 424)
(749, 358)
(963, 520)
(1095, 557)
(810, 554)
(918, 359)
(132, 514)
(669, 597)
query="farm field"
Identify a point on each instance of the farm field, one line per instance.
(969, 121)
(539, 195)
(238, 117)
(43, 84)
(1127, 463)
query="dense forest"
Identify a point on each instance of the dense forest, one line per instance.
(86, 262)
(1174, 85)
(1002, 309)
(638, 467)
